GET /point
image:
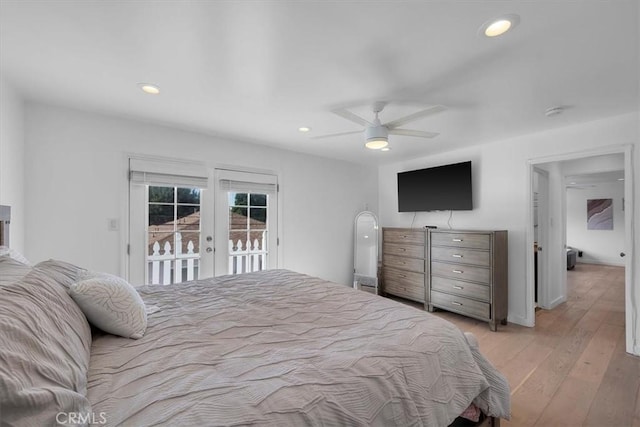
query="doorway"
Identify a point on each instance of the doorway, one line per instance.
(553, 291)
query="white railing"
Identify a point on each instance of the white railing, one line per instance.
(161, 265)
(247, 259)
(242, 259)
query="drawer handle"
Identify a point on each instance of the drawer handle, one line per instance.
(457, 271)
(456, 303)
(403, 249)
(458, 287)
(404, 237)
(456, 256)
(403, 276)
(457, 240)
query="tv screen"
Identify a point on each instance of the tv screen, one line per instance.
(441, 188)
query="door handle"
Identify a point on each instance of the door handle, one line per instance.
(622, 254)
(209, 250)
(209, 238)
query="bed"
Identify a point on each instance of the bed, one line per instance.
(269, 348)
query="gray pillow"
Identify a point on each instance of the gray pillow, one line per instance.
(12, 270)
(44, 354)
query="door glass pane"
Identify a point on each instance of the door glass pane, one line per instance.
(258, 200)
(188, 242)
(161, 194)
(189, 195)
(161, 216)
(237, 199)
(188, 217)
(238, 218)
(157, 242)
(173, 234)
(247, 232)
(258, 218)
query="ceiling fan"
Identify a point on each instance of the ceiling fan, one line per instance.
(377, 133)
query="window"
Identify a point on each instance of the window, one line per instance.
(173, 234)
(248, 232)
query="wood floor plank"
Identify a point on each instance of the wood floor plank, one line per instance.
(616, 399)
(570, 404)
(571, 369)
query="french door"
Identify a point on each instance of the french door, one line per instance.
(188, 222)
(170, 218)
(246, 236)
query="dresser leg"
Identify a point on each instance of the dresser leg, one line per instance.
(503, 322)
(493, 326)
(430, 308)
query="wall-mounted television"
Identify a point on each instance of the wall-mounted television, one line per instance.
(441, 188)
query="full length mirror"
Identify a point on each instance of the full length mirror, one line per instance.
(365, 268)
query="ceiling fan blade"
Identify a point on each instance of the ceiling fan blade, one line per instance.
(331, 135)
(346, 114)
(409, 132)
(415, 116)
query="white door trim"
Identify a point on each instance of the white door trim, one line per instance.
(632, 297)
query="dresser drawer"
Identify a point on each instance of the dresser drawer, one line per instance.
(404, 250)
(404, 263)
(409, 292)
(404, 283)
(461, 255)
(461, 305)
(461, 240)
(404, 236)
(465, 289)
(461, 272)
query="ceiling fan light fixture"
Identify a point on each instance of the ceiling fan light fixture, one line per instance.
(376, 143)
(377, 136)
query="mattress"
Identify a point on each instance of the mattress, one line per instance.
(282, 348)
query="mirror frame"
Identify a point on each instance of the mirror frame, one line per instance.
(358, 281)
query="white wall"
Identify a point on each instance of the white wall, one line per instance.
(12, 160)
(501, 191)
(77, 180)
(598, 246)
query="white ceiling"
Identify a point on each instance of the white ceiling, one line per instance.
(257, 70)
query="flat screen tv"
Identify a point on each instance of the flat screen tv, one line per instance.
(440, 188)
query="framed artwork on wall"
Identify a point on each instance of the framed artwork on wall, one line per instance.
(599, 214)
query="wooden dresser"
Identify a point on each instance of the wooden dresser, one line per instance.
(404, 262)
(468, 273)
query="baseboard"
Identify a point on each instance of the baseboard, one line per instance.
(600, 262)
(522, 321)
(556, 302)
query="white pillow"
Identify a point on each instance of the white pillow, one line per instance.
(111, 304)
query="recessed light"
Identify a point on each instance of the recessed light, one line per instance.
(149, 88)
(304, 129)
(497, 27)
(620, 179)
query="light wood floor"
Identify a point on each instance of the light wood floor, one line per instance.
(571, 369)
